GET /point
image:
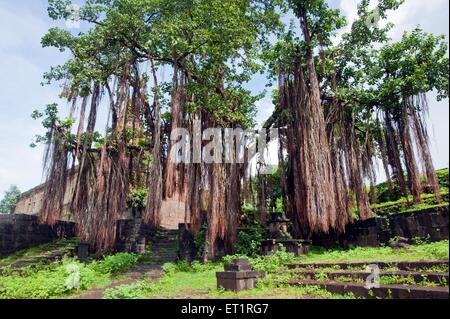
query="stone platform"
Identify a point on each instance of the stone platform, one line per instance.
(238, 276)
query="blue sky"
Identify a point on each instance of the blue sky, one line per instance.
(23, 62)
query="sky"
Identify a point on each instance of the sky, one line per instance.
(23, 62)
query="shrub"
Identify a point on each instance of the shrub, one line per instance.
(249, 240)
(117, 263)
(443, 178)
(270, 263)
(383, 194)
(134, 291)
(50, 283)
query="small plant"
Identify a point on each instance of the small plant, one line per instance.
(249, 240)
(321, 276)
(137, 197)
(134, 291)
(117, 263)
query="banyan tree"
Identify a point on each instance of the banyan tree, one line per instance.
(152, 72)
(343, 108)
(117, 71)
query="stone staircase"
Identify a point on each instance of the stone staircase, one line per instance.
(398, 280)
(37, 256)
(163, 248)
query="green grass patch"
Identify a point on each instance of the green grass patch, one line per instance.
(181, 281)
(188, 285)
(406, 204)
(425, 251)
(60, 279)
(39, 251)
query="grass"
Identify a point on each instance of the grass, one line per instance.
(59, 279)
(55, 281)
(393, 203)
(406, 204)
(39, 251)
(202, 285)
(431, 251)
(181, 281)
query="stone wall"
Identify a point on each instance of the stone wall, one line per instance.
(29, 203)
(132, 235)
(431, 224)
(20, 231)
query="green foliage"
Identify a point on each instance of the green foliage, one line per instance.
(383, 194)
(56, 280)
(417, 64)
(393, 202)
(229, 33)
(183, 266)
(135, 291)
(49, 283)
(443, 178)
(249, 240)
(53, 123)
(199, 240)
(186, 283)
(137, 197)
(117, 263)
(8, 203)
(403, 205)
(421, 251)
(270, 263)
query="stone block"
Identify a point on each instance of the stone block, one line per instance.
(239, 280)
(439, 220)
(82, 251)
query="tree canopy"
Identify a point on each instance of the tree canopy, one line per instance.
(8, 203)
(342, 103)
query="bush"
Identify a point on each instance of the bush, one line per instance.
(249, 240)
(117, 263)
(443, 178)
(388, 208)
(50, 283)
(270, 263)
(383, 194)
(134, 291)
(61, 278)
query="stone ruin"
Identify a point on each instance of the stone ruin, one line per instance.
(279, 236)
(238, 276)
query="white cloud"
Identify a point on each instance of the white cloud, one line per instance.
(22, 63)
(431, 15)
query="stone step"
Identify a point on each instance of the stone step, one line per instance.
(412, 265)
(162, 246)
(159, 251)
(171, 258)
(158, 261)
(156, 253)
(385, 291)
(165, 239)
(163, 243)
(167, 233)
(159, 257)
(418, 277)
